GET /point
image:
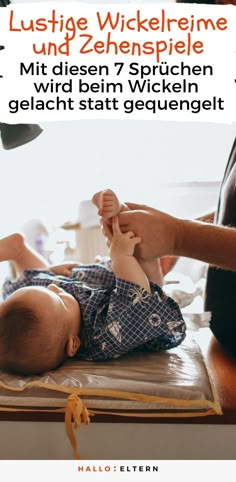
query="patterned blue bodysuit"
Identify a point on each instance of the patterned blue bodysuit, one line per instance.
(117, 316)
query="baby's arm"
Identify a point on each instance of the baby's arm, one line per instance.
(108, 206)
(123, 263)
(63, 269)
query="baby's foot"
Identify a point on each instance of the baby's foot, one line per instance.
(108, 203)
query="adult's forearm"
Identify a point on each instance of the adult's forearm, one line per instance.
(213, 244)
(163, 235)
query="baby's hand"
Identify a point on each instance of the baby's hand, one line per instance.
(63, 269)
(121, 244)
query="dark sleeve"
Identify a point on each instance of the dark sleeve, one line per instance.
(95, 275)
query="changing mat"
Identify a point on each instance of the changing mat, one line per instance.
(171, 383)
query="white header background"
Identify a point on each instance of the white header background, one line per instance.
(20, 102)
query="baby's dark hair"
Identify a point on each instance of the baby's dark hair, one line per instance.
(24, 349)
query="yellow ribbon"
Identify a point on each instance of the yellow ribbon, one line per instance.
(77, 413)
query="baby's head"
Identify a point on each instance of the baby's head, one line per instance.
(39, 329)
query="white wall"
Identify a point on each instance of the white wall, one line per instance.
(68, 162)
(119, 441)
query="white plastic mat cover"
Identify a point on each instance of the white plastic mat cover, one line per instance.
(175, 379)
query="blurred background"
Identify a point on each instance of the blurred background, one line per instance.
(176, 167)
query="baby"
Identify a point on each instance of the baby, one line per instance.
(94, 312)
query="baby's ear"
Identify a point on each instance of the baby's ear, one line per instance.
(72, 346)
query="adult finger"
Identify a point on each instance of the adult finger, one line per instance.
(128, 220)
(136, 207)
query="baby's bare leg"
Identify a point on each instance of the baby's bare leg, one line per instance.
(108, 204)
(152, 269)
(13, 248)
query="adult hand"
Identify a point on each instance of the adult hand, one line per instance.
(157, 230)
